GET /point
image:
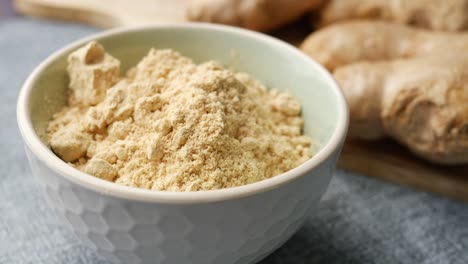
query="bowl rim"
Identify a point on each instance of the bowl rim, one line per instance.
(42, 152)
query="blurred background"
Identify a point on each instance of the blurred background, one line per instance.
(6, 9)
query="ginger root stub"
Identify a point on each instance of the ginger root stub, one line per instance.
(443, 15)
(345, 43)
(173, 125)
(262, 15)
(420, 102)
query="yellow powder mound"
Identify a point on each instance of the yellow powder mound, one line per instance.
(174, 125)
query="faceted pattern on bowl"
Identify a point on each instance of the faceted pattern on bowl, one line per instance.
(235, 231)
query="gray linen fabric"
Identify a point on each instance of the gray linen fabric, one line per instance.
(360, 220)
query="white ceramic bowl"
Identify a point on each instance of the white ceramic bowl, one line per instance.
(236, 225)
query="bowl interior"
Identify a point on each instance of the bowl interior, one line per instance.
(273, 63)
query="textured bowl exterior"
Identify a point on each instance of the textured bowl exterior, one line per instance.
(235, 225)
(242, 230)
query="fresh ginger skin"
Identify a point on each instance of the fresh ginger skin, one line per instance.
(445, 15)
(401, 82)
(261, 15)
(420, 102)
(349, 42)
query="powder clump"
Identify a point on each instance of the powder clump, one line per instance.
(173, 125)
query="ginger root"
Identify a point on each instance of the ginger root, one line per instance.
(349, 42)
(261, 15)
(420, 102)
(448, 15)
(405, 83)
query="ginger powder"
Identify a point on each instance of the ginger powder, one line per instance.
(173, 125)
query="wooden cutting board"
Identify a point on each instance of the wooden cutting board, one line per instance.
(384, 159)
(106, 13)
(389, 161)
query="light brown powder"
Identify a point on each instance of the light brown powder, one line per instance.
(173, 125)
